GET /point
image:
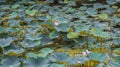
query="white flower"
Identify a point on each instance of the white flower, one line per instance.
(88, 52)
(56, 23)
(78, 62)
(84, 54)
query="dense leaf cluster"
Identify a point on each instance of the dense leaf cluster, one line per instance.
(31, 31)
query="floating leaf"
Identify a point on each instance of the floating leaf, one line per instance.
(37, 62)
(117, 59)
(116, 51)
(103, 16)
(83, 7)
(100, 65)
(33, 37)
(98, 5)
(15, 6)
(73, 35)
(54, 34)
(97, 56)
(12, 52)
(5, 7)
(12, 30)
(32, 55)
(80, 27)
(61, 56)
(65, 1)
(46, 40)
(64, 27)
(13, 15)
(6, 42)
(110, 2)
(10, 61)
(57, 65)
(78, 59)
(14, 22)
(99, 33)
(29, 43)
(2, 29)
(31, 12)
(91, 11)
(71, 3)
(113, 64)
(13, 49)
(44, 52)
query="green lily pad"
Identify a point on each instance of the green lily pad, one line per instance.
(44, 52)
(15, 6)
(103, 16)
(54, 34)
(97, 56)
(99, 33)
(31, 12)
(64, 27)
(117, 59)
(13, 15)
(57, 65)
(37, 62)
(10, 61)
(6, 42)
(73, 35)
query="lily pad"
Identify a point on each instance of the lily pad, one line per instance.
(97, 56)
(31, 12)
(103, 16)
(73, 35)
(57, 65)
(6, 42)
